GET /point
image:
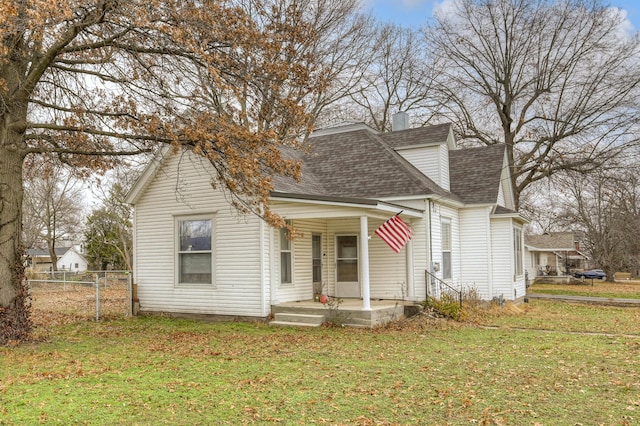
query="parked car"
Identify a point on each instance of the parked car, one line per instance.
(593, 274)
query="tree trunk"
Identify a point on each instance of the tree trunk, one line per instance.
(14, 310)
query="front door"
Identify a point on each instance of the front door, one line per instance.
(347, 282)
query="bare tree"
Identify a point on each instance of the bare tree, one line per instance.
(53, 208)
(605, 205)
(398, 78)
(109, 232)
(557, 82)
(344, 47)
(92, 81)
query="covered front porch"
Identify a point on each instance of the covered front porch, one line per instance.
(344, 312)
(337, 255)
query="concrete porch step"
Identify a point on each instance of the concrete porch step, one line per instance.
(285, 319)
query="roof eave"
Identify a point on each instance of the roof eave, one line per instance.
(140, 184)
(367, 203)
(516, 216)
(432, 197)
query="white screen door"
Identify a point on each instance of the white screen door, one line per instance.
(347, 283)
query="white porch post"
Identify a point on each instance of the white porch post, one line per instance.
(364, 262)
(411, 288)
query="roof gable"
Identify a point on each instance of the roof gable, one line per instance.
(362, 163)
(476, 173)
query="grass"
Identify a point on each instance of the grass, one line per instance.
(540, 363)
(623, 289)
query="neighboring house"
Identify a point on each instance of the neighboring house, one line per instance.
(194, 254)
(69, 259)
(553, 253)
(39, 260)
(73, 260)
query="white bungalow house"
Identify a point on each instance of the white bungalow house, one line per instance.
(73, 260)
(554, 254)
(195, 255)
(69, 259)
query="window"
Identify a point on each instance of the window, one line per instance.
(517, 251)
(316, 255)
(195, 256)
(445, 230)
(286, 264)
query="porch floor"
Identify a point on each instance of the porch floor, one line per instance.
(348, 312)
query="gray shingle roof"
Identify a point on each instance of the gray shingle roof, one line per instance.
(475, 173)
(363, 164)
(45, 252)
(418, 136)
(308, 184)
(552, 241)
(358, 164)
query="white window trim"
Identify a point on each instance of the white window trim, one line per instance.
(518, 259)
(176, 250)
(292, 252)
(449, 222)
(357, 258)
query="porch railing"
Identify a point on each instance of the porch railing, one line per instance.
(436, 288)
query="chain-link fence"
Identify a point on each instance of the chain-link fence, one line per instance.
(65, 296)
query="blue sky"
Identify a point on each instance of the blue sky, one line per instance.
(416, 12)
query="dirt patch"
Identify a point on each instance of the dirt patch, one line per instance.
(57, 303)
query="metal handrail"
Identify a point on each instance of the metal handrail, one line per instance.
(448, 288)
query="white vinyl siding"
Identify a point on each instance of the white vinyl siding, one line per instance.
(72, 261)
(501, 200)
(420, 247)
(433, 161)
(387, 269)
(237, 257)
(475, 245)
(302, 259)
(440, 213)
(502, 250)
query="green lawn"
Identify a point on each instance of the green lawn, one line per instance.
(541, 363)
(597, 288)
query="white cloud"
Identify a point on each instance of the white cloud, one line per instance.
(444, 7)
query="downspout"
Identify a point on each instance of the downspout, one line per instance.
(490, 274)
(133, 280)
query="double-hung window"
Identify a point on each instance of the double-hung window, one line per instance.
(517, 251)
(195, 250)
(445, 229)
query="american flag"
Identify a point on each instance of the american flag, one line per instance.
(395, 233)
